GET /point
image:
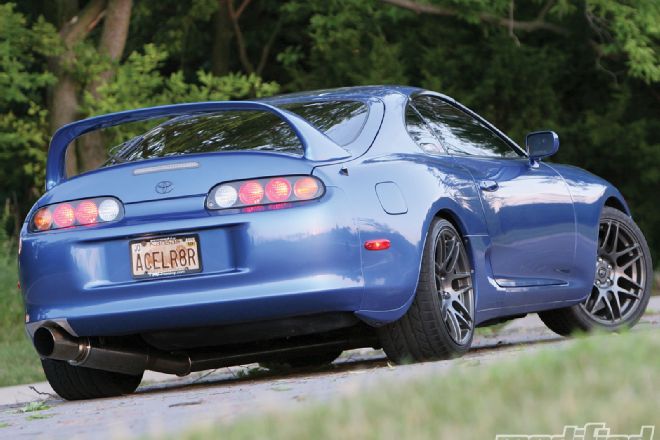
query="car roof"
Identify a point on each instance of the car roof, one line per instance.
(350, 93)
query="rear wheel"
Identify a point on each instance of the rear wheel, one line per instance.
(79, 383)
(440, 322)
(622, 286)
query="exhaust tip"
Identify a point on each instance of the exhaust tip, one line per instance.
(43, 341)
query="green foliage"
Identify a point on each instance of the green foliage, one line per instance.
(635, 28)
(24, 77)
(138, 82)
(346, 43)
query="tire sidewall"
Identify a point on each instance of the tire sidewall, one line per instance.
(430, 292)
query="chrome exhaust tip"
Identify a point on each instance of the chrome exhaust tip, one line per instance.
(53, 343)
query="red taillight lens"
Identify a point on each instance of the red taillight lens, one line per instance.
(278, 190)
(86, 212)
(251, 193)
(64, 216)
(76, 213)
(306, 188)
(273, 192)
(43, 219)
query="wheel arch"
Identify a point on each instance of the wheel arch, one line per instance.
(443, 208)
(617, 203)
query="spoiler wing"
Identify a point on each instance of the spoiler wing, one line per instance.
(317, 146)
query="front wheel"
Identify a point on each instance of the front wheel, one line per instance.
(440, 322)
(622, 285)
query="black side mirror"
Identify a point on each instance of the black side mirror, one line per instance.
(541, 144)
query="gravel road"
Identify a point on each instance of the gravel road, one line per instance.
(166, 404)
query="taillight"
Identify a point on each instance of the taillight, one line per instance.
(251, 193)
(273, 192)
(43, 219)
(306, 188)
(278, 190)
(87, 212)
(63, 215)
(76, 213)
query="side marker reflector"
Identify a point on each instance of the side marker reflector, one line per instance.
(377, 245)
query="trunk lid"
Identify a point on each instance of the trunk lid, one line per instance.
(175, 176)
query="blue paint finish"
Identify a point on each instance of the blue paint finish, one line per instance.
(530, 230)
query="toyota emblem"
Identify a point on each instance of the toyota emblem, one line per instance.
(164, 187)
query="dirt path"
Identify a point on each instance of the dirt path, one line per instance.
(177, 404)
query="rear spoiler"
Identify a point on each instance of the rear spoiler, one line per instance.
(317, 146)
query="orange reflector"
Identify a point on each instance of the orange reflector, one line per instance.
(43, 219)
(377, 245)
(306, 188)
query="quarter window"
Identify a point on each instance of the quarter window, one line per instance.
(421, 133)
(461, 133)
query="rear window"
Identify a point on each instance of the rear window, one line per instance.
(341, 121)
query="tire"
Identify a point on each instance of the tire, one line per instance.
(316, 360)
(440, 322)
(80, 383)
(622, 286)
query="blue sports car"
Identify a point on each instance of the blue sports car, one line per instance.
(288, 229)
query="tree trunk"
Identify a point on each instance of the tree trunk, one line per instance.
(92, 150)
(221, 40)
(63, 110)
(76, 25)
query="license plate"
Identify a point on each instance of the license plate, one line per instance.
(162, 256)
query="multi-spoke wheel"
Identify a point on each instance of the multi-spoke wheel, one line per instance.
(440, 322)
(622, 283)
(454, 285)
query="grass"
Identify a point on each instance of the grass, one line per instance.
(603, 378)
(18, 361)
(34, 407)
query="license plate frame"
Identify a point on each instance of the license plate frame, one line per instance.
(169, 243)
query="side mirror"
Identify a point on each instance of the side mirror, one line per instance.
(541, 144)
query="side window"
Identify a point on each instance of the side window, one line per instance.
(459, 132)
(421, 133)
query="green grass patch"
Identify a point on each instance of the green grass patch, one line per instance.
(19, 362)
(604, 378)
(34, 406)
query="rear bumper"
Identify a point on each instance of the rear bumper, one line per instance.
(257, 266)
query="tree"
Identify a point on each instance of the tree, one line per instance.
(111, 46)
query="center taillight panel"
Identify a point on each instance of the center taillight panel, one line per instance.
(267, 191)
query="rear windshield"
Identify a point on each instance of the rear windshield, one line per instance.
(341, 121)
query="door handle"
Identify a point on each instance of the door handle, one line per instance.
(488, 185)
